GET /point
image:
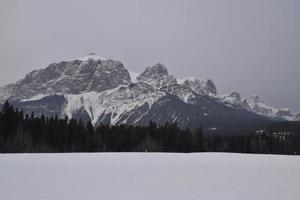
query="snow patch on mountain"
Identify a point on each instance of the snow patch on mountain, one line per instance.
(116, 103)
(35, 98)
(133, 76)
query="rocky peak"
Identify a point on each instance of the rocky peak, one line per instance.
(254, 98)
(251, 103)
(72, 77)
(283, 112)
(236, 96)
(203, 87)
(156, 71)
(231, 100)
(157, 76)
(209, 84)
(90, 56)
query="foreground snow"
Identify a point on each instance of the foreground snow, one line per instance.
(143, 176)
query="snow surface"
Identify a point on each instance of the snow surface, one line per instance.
(35, 98)
(133, 76)
(148, 176)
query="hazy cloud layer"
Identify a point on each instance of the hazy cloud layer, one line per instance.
(250, 46)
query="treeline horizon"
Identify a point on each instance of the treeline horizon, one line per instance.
(21, 133)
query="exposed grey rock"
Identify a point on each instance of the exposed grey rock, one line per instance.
(157, 76)
(204, 87)
(236, 95)
(71, 77)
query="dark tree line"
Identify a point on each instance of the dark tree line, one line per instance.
(21, 132)
(264, 142)
(24, 133)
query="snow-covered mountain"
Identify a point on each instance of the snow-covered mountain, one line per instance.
(255, 105)
(104, 91)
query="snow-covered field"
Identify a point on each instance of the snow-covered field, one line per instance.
(143, 176)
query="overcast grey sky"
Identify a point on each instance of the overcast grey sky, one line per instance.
(248, 46)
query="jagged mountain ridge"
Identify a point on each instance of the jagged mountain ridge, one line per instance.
(73, 77)
(256, 105)
(102, 91)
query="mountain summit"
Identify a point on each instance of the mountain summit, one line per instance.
(157, 76)
(73, 77)
(103, 91)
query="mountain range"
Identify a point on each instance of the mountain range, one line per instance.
(104, 91)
